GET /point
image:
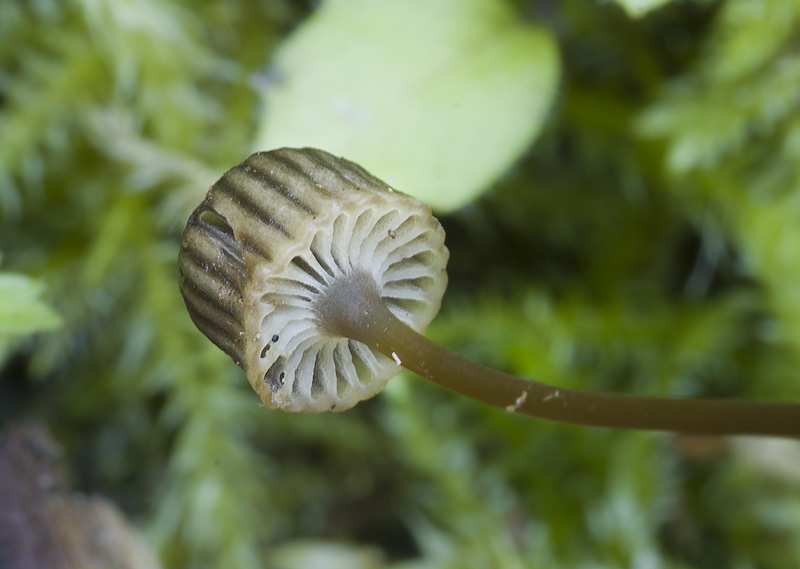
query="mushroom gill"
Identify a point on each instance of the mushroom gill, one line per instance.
(263, 250)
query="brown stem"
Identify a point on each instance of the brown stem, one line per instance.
(353, 308)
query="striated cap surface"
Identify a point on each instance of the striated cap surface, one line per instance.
(271, 237)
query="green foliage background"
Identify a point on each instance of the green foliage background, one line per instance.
(647, 242)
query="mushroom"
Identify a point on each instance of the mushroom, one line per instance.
(319, 280)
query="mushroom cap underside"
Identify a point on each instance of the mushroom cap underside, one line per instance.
(273, 235)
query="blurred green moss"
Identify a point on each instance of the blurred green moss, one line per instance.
(646, 243)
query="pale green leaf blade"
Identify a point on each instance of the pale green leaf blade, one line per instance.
(640, 8)
(21, 309)
(437, 98)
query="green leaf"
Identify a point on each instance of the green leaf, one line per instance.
(21, 310)
(437, 98)
(639, 8)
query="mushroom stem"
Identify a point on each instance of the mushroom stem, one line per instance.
(353, 308)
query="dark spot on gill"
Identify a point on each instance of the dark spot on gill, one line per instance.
(275, 376)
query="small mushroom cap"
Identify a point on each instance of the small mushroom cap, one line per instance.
(271, 237)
